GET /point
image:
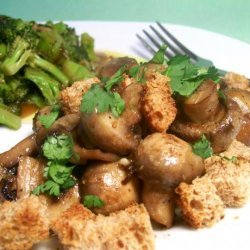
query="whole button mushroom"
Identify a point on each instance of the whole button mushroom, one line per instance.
(167, 160)
(163, 161)
(109, 182)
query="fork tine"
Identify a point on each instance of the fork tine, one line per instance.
(164, 40)
(167, 53)
(146, 45)
(177, 42)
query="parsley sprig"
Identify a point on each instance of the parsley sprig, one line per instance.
(203, 147)
(93, 201)
(186, 77)
(58, 150)
(100, 97)
(48, 119)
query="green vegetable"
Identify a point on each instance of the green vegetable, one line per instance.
(16, 58)
(187, 77)
(48, 119)
(233, 159)
(48, 86)
(58, 148)
(102, 100)
(93, 201)
(159, 57)
(117, 78)
(8, 119)
(37, 61)
(87, 44)
(202, 147)
(75, 71)
(32, 52)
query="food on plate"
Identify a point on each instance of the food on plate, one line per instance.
(23, 223)
(130, 143)
(199, 202)
(78, 228)
(37, 61)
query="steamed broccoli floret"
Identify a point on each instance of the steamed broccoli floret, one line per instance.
(87, 45)
(3, 50)
(37, 61)
(10, 28)
(16, 57)
(13, 92)
(75, 71)
(48, 86)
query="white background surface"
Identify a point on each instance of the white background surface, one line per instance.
(233, 232)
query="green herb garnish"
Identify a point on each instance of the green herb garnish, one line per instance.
(58, 148)
(48, 119)
(101, 100)
(187, 77)
(93, 201)
(203, 147)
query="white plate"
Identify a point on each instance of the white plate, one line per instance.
(233, 231)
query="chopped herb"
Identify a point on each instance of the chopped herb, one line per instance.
(187, 77)
(48, 119)
(93, 201)
(97, 98)
(233, 159)
(138, 72)
(159, 56)
(58, 178)
(221, 94)
(58, 148)
(202, 147)
(115, 79)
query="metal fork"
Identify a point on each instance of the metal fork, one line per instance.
(175, 47)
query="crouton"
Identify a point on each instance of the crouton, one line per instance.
(23, 223)
(157, 105)
(199, 203)
(79, 229)
(237, 149)
(231, 177)
(233, 80)
(71, 97)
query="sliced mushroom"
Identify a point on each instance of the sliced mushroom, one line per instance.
(92, 154)
(29, 175)
(26, 147)
(110, 67)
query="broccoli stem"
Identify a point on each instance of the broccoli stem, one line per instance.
(8, 119)
(16, 58)
(48, 85)
(75, 71)
(50, 68)
(3, 50)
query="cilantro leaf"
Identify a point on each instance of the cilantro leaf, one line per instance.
(58, 147)
(93, 201)
(186, 77)
(159, 56)
(115, 79)
(48, 119)
(49, 187)
(59, 173)
(101, 100)
(202, 147)
(233, 159)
